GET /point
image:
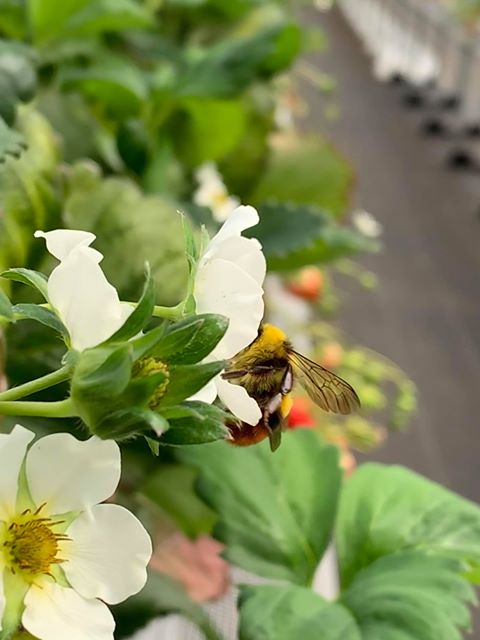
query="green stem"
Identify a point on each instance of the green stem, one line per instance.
(61, 409)
(33, 386)
(170, 313)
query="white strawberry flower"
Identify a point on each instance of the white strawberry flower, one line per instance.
(229, 281)
(213, 193)
(78, 290)
(62, 554)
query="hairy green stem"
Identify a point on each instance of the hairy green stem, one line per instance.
(33, 386)
(61, 409)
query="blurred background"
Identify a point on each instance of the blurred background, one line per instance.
(352, 126)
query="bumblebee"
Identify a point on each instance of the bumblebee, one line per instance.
(267, 368)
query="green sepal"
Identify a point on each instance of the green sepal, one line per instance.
(186, 380)
(195, 422)
(141, 314)
(98, 379)
(127, 422)
(190, 340)
(42, 315)
(29, 277)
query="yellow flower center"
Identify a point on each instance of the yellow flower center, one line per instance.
(220, 197)
(149, 367)
(31, 545)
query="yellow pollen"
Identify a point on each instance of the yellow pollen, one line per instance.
(149, 367)
(31, 545)
(220, 197)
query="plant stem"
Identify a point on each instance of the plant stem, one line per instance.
(61, 409)
(33, 386)
(170, 313)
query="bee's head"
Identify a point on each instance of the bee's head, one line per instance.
(270, 334)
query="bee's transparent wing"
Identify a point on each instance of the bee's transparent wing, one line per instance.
(326, 389)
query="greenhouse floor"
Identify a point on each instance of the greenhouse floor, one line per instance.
(425, 313)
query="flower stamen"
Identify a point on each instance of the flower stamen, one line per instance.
(31, 545)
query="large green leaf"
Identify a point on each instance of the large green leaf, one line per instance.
(296, 235)
(107, 15)
(12, 143)
(227, 68)
(171, 487)
(384, 510)
(51, 20)
(287, 612)
(306, 170)
(127, 223)
(113, 83)
(274, 517)
(405, 596)
(410, 596)
(29, 191)
(161, 595)
(208, 128)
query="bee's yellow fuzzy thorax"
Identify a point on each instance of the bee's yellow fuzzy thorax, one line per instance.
(272, 334)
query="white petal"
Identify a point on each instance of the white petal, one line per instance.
(223, 287)
(238, 401)
(242, 218)
(86, 302)
(71, 475)
(108, 555)
(207, 394)
(246, 253)
(61, 242)
(53, 612)
(13, 447)
(207, 172)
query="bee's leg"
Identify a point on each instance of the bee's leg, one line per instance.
(235, 373)
(287, 382)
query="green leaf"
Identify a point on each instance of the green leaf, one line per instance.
(154, 233)
(275, 515)
(114, 83)
(190, 340)
(42, 315)
(187, 379)
(410, 595)
(286, 612)
(207, 129)
(161, 595)
(171, 487)
(384, 510)
(17, 62)
(296, 235)
(34, 279)
(6, 309)
(107, 15)
(306, 170)
(12, 143)
(30, 193)
(140, 316)
(47, 17)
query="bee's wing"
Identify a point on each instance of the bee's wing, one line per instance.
(329, 391)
